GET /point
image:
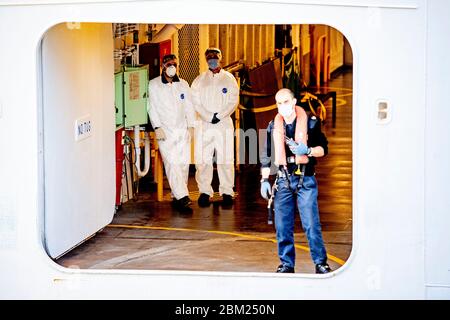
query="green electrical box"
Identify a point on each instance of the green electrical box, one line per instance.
(131, 94)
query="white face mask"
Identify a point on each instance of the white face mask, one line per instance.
(286, 109)
(171, 71)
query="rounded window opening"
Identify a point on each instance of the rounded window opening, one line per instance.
(128, 184)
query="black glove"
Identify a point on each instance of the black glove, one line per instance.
(215, 119)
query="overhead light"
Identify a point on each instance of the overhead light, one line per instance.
(73, 25)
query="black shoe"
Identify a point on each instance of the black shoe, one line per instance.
(203, 200)
(182, 204)
(185, 201)
(227, 200)
(285, 269)
(323, 268)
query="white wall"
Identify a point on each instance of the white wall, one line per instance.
(387, 260)
(437, 152)
(78, 82)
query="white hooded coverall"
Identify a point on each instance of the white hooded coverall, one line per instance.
(170, 108)
(215, 93)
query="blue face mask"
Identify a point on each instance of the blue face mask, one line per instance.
(213, 63)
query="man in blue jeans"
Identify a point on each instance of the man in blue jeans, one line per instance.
(296, 142)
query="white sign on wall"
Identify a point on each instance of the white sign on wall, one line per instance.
(83, 128)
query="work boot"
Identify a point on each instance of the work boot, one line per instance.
(185, 201)
(323, 268)
(183, 204)
(227, 200)
(203, 200)
(285, 269)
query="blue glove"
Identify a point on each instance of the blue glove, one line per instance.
(266, 189)
(298, 149)
(215, 119)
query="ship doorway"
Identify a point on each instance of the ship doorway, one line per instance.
(100, 214)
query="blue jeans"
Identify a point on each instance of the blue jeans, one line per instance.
(286, 202)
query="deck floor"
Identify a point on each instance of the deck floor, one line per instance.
(151, 235)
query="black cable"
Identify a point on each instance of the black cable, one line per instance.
(129, 141)
(135, 184)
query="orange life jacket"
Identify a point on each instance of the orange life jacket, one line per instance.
(301, 135)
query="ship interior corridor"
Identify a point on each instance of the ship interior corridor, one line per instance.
(148, 233)
(152, 235)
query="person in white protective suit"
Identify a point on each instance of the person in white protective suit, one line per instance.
(215, 95)
(172, 116)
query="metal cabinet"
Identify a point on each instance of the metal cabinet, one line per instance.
(131, 94)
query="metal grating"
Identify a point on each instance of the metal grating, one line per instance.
(188, 52)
